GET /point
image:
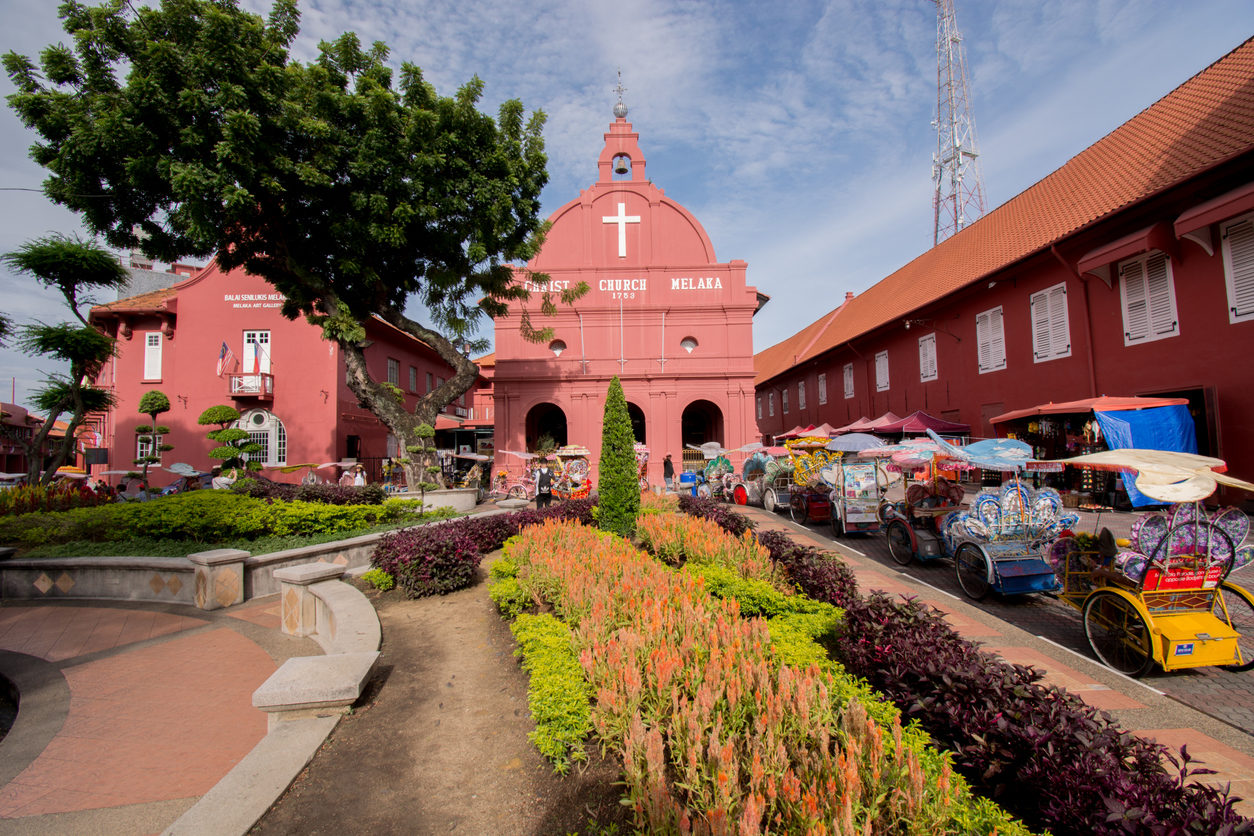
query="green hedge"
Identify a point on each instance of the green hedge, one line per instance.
(558, 694)
(198, 516)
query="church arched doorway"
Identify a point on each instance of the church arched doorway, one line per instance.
(702, 421)
(546, 419)
(638, 426)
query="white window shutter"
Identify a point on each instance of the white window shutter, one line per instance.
(1041, 347)
(1059, 327)
(1135, 302)
(848, 380)
(152, 355)
(927, 357)
(881, 371)
(1239, 266)
(1162, 308)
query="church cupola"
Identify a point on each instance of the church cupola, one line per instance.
(622, 155)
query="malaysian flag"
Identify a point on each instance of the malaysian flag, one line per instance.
(225, 358)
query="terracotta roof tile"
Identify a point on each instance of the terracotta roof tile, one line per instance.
(1202, 123)
(152, 301)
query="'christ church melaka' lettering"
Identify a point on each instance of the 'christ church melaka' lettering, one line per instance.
(703, 283)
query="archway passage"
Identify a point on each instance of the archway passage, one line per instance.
(638, 424)
(702, 421)
(546, 419)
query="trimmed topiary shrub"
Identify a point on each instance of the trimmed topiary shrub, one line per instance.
(618, 483)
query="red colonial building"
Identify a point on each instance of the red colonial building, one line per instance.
(218, 338)
(1128, 271)
(663, 314)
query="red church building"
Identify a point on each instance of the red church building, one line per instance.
(218, 338)
(1129, 271)
(662, 313)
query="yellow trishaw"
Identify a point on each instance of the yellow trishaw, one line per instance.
(1165, 598)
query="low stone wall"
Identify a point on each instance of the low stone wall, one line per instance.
(224, 577)
(461, 500)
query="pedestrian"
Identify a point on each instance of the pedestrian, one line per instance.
(668, 472)
(359, 477)
(544, 486)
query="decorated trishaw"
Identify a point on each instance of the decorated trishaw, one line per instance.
(857, 484)
(1166, 597)
(573, 478)
(999, 543)
(809, 499)
(506, 485)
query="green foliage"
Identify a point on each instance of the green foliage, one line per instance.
(233, 442)
(153, 402)
(558, 695)
(379, 579)
(510, 597)
(72, 266)
(220, 414)
(617, 483)
(204, 516)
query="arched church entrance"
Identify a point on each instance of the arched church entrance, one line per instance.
(702, 421)
(546, 419)
(636, 414)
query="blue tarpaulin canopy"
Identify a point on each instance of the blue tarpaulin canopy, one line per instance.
(1160, 428)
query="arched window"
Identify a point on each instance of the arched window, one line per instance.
(265, 428)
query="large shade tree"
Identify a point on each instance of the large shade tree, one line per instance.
(187, 130)
(75, 268)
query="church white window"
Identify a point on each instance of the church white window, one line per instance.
(848, 372)
(770, 404)
(927, 358)
(822, 389)
(1149, 300)
(759, 400)
(783, 399)
(801, 394)
(265, 428)
(1238, 253)
(990, 339)
(881, 371)
(394, 371)
(152, 355)
(143, 447)
(1051, 333)
(256, 352)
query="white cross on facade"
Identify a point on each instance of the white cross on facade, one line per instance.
(622, 219)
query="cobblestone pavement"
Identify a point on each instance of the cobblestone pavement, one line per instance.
(1221, 694)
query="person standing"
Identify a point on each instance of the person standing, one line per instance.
(668, 472)
(544, 486)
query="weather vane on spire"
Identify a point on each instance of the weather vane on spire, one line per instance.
(620, 109)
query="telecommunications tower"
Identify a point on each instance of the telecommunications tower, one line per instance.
(959, 196)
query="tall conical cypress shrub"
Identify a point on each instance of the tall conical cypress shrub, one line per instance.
(618, 486)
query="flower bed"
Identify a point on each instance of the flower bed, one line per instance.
(716, 735)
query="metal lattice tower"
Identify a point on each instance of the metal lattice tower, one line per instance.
(959, 196)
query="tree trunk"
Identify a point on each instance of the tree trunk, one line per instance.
(392, 412)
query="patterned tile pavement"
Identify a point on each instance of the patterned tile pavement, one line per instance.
(159, 708)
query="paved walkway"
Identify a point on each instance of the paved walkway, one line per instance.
(1139, 707)
(129, 712)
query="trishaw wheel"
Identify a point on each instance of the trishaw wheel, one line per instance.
(1117, 633)
(793, 512)
(1240, 607)
(517, 492)
(768, 500)
(741, 495)
(838, 525)
(899, 545)
(972, 569)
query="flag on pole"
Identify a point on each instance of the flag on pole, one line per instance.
(225, 358)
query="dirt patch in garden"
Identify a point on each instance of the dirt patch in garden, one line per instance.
(438, 743)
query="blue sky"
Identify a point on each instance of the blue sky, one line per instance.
(798, 133)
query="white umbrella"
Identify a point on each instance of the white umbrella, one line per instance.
(183, 469)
